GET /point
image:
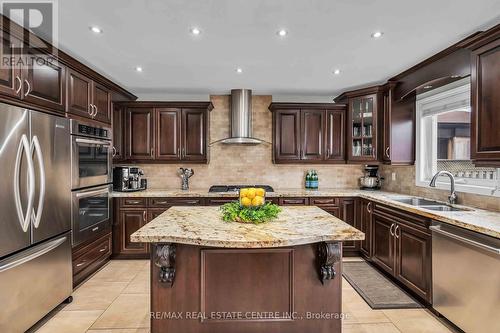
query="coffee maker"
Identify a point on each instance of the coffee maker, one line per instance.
(371, 180)
(128, 179)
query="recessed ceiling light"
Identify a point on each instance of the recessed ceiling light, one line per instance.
(239, 70)
(195, 31)
(427, 87)
(377, 34)
(336, 71)
(138, 69)
(95, 29)
(282, 32)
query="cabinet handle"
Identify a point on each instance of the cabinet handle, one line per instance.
(396, 231)
(144, 216)
(161, 202)
(18, 79)
(95, 112)
(103, 249)
(387, 152)
(390, 230)
(369, 207)
(183, 152)
(114, 151)
(328, 152)
(134, 202)
(152, 152)
(81, 264)
(29, 88)
(178, 152)
(90, 112)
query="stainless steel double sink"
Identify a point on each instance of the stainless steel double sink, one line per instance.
(428, 204)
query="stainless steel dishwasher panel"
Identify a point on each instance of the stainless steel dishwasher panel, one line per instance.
(466, 278)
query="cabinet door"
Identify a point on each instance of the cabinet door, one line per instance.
(118, 115)
(413, 259)
(10, 73)
(349, 217)
(485, 116)
(168, 136)
(312, 135)
(130, 222)
(365, 220)
(362, 129)
(194, 135)
(335, 124)
(383, 243)
(101, 98)
(139, 136)
(44, 82)
(287, 135)
(386, 127)
(79, 94)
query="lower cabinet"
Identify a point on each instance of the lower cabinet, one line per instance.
(402, 247)
(89, 257)
(131, 220)
(365, 225)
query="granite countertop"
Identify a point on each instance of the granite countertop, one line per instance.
(295, 225)
(479, 220)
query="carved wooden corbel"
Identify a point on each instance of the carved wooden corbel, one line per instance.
(328, 255)
(165, 260)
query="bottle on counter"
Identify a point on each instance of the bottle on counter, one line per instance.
(314, 180)
(308, 179)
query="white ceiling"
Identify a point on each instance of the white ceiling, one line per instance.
(323, 35)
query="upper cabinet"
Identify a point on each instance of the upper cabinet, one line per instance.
(166, 132)
(485, 100)
(118, 124)
(308, 132)
(87, 98)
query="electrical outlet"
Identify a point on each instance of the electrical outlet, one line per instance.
(393, 176)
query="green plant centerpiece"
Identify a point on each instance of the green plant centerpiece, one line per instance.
(234, 212)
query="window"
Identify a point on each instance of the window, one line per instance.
(443, 141)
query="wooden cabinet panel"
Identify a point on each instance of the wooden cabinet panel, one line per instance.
(44, 83)
(130, 222)
(349, 215)
(79, 94)
(485, 116)
(194, 135)
(312, 134)
(10, 73)
(383, 243)
(362, 129)
(335, 124)
(118, 123)
(287, 135)
(101, 98)
(168, 137)
(293, 201)
(365, 225)
(413, 259)
(89, 257)
(133, 202)
(139, 137)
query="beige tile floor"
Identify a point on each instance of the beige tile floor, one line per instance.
(116, 300)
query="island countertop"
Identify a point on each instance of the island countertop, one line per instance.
(203, 226)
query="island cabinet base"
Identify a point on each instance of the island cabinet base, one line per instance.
(197, 289)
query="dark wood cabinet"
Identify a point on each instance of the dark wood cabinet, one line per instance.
(362, 129)
(10, 73)
(485, 101)
(349, 216)
(365, 225)
(88, 257)
(101, 97)
(383, 243)
(194, 131)
(132, 220)
(139, 134)
(308, 133)
(335, 135)
(118, 124)
(168, 134)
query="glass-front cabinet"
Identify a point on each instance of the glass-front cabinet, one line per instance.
(362, 128)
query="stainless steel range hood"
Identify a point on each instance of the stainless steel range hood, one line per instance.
(241, 118)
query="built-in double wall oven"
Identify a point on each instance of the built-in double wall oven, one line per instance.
(91, 180)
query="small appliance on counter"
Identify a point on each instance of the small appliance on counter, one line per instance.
(371, 180)
(128, 179)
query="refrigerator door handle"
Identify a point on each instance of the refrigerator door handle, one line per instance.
(40, 251)
(24, 220)
(37, 216)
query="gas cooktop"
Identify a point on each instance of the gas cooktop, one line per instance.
(236, 188)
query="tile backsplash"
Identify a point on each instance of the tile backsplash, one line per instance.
(405, 184)
(241, 164)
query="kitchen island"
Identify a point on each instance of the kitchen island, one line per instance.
(208, 275)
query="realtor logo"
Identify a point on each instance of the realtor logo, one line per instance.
(37, 17)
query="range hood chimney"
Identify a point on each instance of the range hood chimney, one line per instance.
(241, 118)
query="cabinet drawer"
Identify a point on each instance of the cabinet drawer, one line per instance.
(324, 201)
(219, 201)
(133, 202)
(91, 253)
(294, 201)
(168, 202)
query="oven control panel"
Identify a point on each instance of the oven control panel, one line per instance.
(84, 129)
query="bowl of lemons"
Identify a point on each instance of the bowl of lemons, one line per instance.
(252, 197)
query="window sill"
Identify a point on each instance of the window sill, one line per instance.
(464, 188)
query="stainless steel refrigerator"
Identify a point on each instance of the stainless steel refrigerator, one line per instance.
(35, 216)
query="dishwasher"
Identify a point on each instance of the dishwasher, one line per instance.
(466, 277)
